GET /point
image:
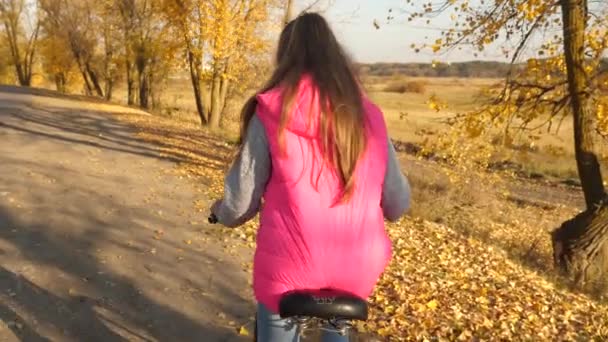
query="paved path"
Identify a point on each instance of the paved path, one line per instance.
(98, 240)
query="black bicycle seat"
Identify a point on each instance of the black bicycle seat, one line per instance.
(323, 304)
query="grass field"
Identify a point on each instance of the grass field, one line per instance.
(409, 117)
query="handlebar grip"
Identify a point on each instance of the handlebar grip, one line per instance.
(212, 218)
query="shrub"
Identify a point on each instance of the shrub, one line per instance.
(401, 87)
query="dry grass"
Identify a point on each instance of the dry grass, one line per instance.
(488, 208)
(409, 118)
(416, 87)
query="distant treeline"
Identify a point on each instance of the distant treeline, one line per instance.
(478, 69)
(464, 69)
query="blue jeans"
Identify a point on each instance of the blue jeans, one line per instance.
(271, 328)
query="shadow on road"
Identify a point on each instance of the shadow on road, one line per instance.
(98, 129)
(79, 257)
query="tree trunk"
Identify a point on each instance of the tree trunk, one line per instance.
(94, 79)
(140, 62)
(109, 89)
(580, 248)
(215, 116)
(195, 73)
(574, 21)
(88, 87)
(76, 52)
(130, 83)
(223, 100)
(579, 245)
(30, 53)
(11, 36)
(288, 12)
(144, 93)
(153, 85)
(60, 82)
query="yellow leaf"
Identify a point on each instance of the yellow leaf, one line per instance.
(432, 304)
(243, 331)
(383, 332)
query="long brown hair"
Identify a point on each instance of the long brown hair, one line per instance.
(307, 45)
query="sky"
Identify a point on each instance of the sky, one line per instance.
(352, 22)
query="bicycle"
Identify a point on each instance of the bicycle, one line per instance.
(321, 308)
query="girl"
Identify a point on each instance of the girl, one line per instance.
(317, 151)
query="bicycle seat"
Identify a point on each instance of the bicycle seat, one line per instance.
(324, 304)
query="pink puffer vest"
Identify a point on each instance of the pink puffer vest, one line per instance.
(304, 240)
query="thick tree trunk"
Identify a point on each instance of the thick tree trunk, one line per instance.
(580, 245)
(23, 81)
(580, 248)
(574, 21)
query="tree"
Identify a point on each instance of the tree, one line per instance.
(566, 79)
(148, 46)
(220, 38)
(188, 17)
(110, 39)
(57, 60)
(22, 45)
(127, 14)
(75, 23)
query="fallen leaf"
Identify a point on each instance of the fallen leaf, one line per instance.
(432, 304)
(243, 331)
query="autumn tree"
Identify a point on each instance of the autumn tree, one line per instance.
(564, 77)
(4, 61)
(57, 60)
(188, 18)
(75, 23)
(109, 38)
(21, 39)
(220, 38)
(148, 46)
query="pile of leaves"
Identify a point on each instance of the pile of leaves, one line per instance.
(440, 285)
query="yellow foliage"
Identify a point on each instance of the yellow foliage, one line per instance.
(535, 95)
(602, 116)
